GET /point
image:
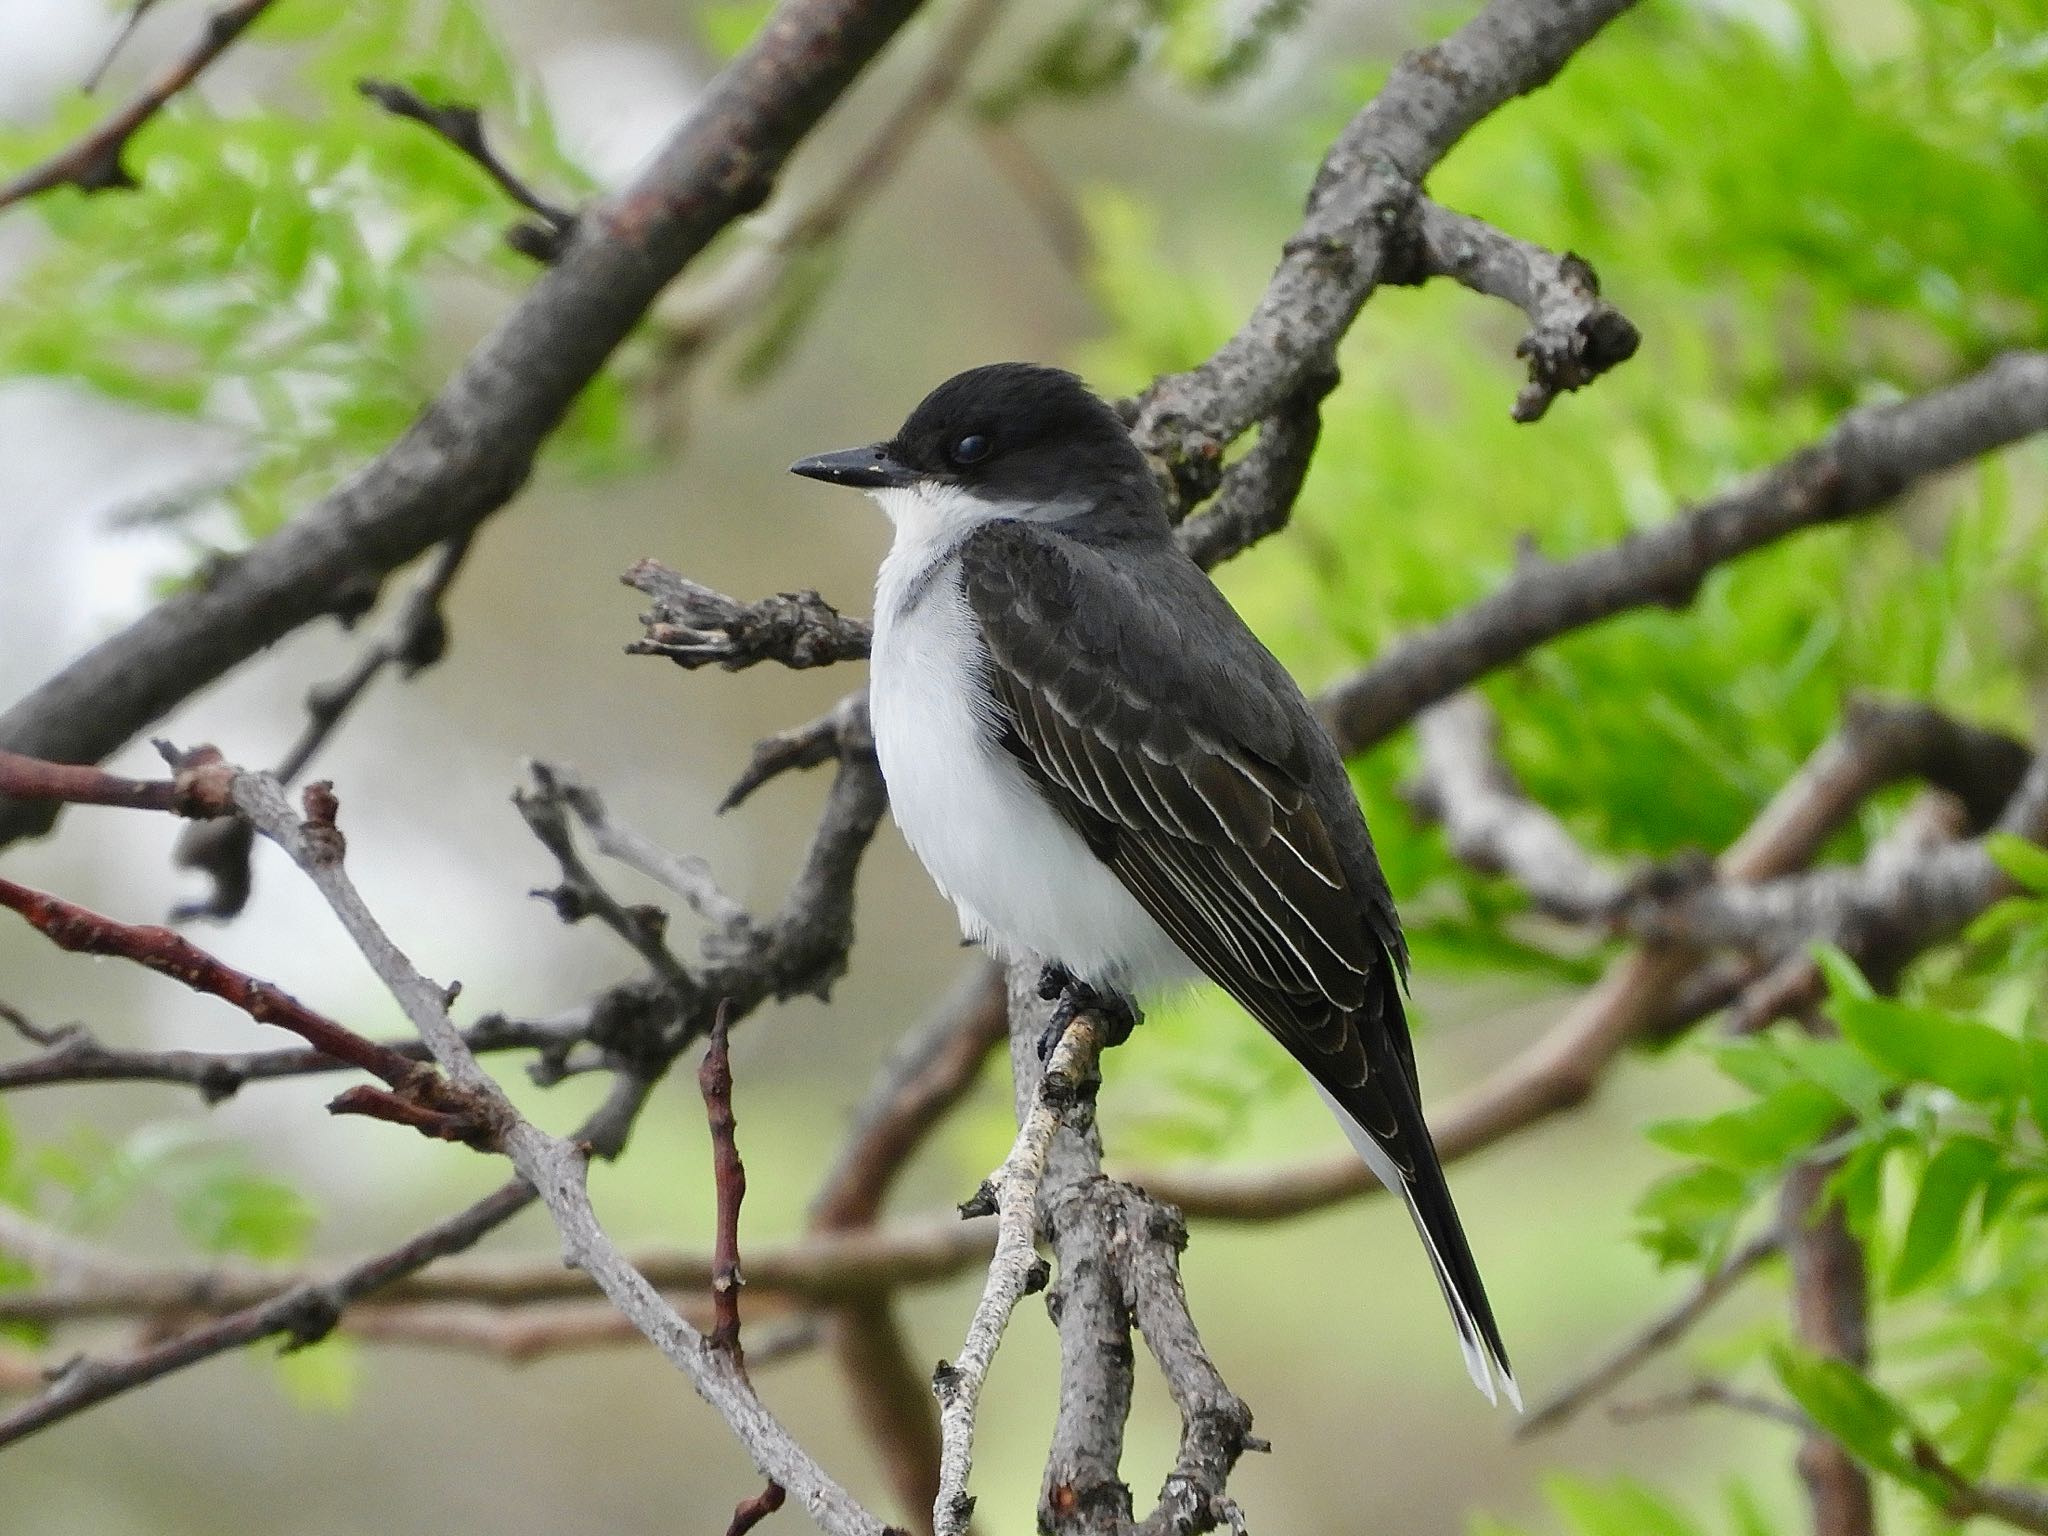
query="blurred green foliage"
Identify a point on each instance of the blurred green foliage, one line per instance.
(280, 267)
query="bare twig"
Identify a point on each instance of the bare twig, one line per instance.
(1016, 1270)
(418, 1096)
(804, 746)
(687, 875)
(696, 627)
(740, 288)
(1574, 335)
(1664, 1331)
(94, 163)
(819, 1270)
(525, 1334)
(462, 126)
(415, 639)
(137, 10)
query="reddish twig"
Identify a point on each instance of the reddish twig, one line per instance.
(418, 1096)
(751, 1512)
(714, 1081)
(729, 1174)
(198, 788)
(93, 164)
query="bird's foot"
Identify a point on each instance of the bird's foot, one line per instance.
(1118, 1014)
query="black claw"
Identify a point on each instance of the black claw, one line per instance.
(1119, 1015)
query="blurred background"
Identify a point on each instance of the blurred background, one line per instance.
(1734, 170)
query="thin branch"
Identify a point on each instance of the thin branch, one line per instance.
(545, 809)
(558, 1170)
(1871, 456)
(1645, 1345)
(137, 10)
(693, 626)
(526, 1334)
(804, 746)
(687, 875)
(820, 1269)
(418, 1096)
(1709, 1393)
(696, 318)
(95, 162)
(71, 1054)
(1015, 1271)
(1574, 335)
(463, 127)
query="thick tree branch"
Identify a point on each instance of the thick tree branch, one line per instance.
(95, 162)
(1869, 458)
(473, 447)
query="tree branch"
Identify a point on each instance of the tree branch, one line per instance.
(473, 447)
(557, 1169)
(1574, 335)
(696, 627)
(1364, 194)
(1869, 458)
(94, 163)
(1661, 1333)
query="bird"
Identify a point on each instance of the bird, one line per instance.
(1105, 771)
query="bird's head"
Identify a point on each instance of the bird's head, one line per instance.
(1012, 440)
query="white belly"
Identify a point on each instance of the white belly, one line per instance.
(1022, 880)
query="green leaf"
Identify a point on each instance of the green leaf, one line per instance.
(1759, 1136)
(228, 1210)
(2026, 862)
(727, 26)
(1868, 1423)
(1921, 1044)
(1688, 1214)
(323, 1377)
(1844, 978)
(1954, 1176)
(1622, 1507)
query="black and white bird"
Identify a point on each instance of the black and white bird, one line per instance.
(1102, 767)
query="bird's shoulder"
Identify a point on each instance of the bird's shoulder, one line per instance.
(1133, 642)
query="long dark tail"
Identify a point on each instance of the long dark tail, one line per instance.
(1428, 1198)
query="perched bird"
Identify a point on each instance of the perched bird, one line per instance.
(1102, 767)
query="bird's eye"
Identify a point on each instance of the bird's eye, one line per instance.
(971, 449)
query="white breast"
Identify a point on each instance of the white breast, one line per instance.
(1021, 879)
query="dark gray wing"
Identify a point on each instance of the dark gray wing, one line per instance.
(1158, 725)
